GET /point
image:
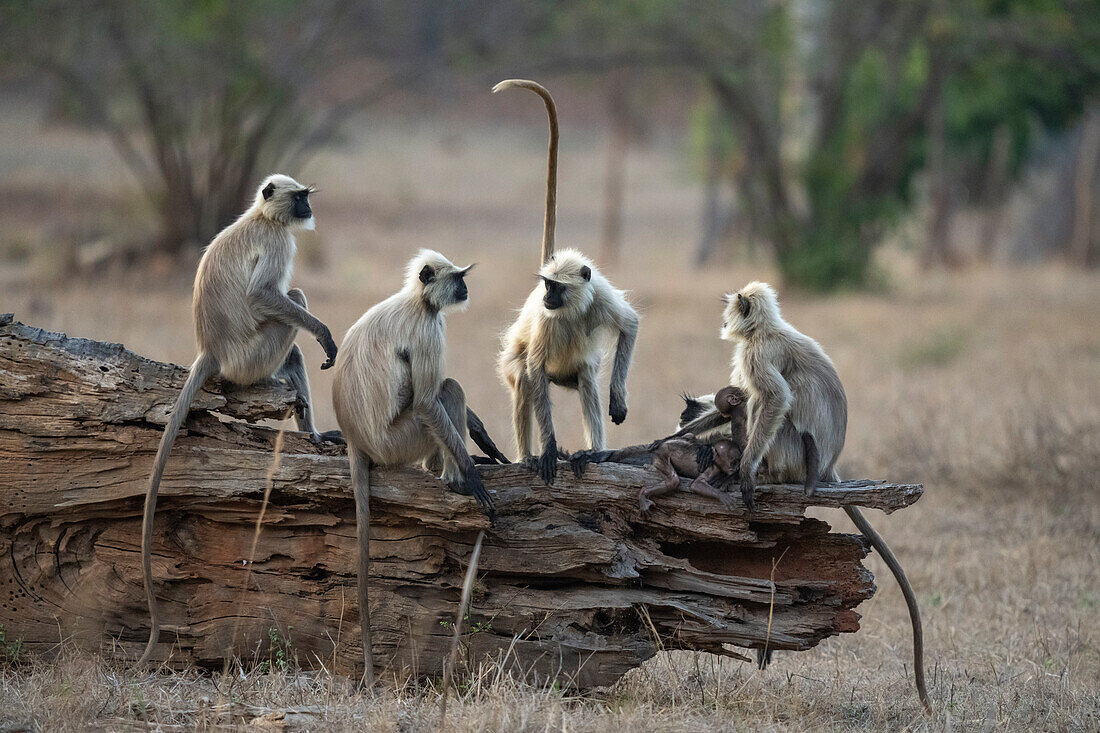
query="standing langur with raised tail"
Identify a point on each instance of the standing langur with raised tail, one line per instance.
(394, 405)
(797, 417)
(557, 336)
(246, 320)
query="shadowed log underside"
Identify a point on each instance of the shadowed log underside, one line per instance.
(572, 579)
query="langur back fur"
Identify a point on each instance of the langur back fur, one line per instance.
(558, 335)
(246, 320)
(394, 404)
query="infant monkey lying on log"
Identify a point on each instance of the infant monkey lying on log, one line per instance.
(713, 464)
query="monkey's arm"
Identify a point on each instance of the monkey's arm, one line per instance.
(268, 302)
(703, 424)
(768, 408)
(628, 334)
(635, 455)
(766, 411)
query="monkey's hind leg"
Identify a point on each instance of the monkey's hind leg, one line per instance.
(453, 399)
(813, 464)
(589, 391)
(205, 366)
(293, 371)
(670, 481)
(360, 478)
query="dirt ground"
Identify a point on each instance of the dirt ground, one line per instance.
(983, 384)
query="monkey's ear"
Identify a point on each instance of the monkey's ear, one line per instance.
(269, 190)
(742, 305)
(586, 273)
(427, 274)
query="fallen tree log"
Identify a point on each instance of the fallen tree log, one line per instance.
(573, 581)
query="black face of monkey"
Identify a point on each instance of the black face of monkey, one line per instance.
(300, 206)
(555, 294)
(460, 292)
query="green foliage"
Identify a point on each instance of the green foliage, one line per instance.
(278, 651)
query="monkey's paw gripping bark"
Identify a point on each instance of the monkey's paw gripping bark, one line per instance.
(472, 485)
(331, 437)
(546, 465)
(748, 486)
(579, 461)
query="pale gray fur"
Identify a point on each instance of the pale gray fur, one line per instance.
(393, 403)
(563, 345)
(792, 384)
(246, 320)
(795, 391)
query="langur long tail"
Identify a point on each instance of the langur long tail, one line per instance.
(360, 477)
(203, 368)
(551, 159)
(906, 589)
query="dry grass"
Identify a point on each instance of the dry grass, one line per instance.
(984, 385)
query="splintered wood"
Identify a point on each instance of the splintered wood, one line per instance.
(573, 581)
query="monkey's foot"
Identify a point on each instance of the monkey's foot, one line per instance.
(483, 461)
(579, 461)
(472, 485)
(644, 503)
(747, 488)
(334, 437)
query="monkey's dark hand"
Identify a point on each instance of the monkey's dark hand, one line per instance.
(325, 339)
(617, 409)
(547, 466)
(472, 485)
(748, 485)
(329, 436)
(579, 461)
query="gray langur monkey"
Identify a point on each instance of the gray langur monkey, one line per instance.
(246, 319)
(396, 408)
(797, 418)
(558, 335)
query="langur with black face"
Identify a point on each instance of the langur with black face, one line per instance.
(394, 405)
(246, 319)
(797, 417)
(559, 333)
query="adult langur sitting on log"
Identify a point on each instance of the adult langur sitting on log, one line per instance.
(246, 320)
(557, 336)
(797, 417)
(394, 405)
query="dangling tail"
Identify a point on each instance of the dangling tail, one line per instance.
(203, 368)
(360, 478)
(906, 590)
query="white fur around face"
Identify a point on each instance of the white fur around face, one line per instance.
(308, 225)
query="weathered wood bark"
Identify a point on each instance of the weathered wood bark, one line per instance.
(572, 578)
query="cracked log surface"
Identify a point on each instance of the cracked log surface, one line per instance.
(573, 579)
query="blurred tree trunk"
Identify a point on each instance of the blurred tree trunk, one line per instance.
(1082, 243)
(995, 191)
(939, 249)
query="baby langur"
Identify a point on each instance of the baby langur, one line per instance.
(798, 416)
(394, 405)
(557, 336)
(245, 323)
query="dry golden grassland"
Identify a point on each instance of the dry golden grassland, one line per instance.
(985, 385)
